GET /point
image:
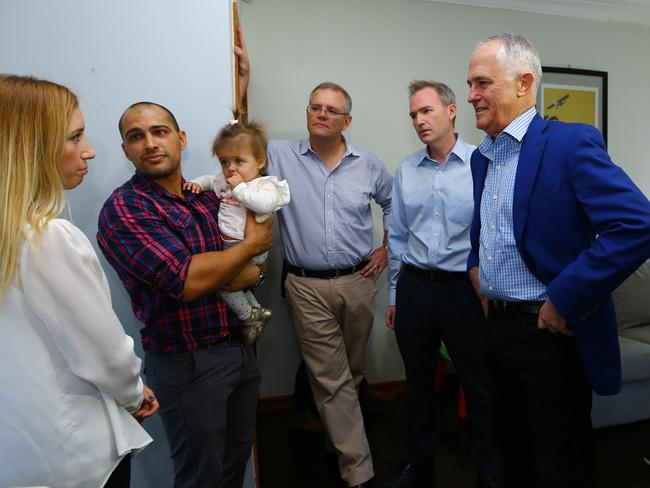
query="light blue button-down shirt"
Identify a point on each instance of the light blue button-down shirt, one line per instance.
(502, 271)
(328, 223)
(432, 208)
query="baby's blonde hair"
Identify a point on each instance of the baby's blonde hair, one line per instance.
(239, 132)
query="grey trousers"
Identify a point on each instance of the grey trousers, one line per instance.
(208, 403)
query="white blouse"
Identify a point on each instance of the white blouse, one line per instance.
(68, 372)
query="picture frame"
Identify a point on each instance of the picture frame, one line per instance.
(574, 95)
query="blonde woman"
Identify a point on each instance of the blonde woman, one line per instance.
(70, 390)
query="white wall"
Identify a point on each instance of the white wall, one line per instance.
(374, 48)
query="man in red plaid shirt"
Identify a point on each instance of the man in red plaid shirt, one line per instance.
(165, 245)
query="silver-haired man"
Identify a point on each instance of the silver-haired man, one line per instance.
(557, 226)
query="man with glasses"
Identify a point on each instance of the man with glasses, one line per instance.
(327, 234)
(430, 296)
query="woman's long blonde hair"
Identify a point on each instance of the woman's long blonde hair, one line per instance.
(34, 119)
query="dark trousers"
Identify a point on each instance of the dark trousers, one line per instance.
(542, 405)
(121, 475)
(426, 312)
(208, 403)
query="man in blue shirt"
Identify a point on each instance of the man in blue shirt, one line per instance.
(327, 234)
(557, 226)
(430, 296)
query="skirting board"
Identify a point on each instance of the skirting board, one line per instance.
(286, 401)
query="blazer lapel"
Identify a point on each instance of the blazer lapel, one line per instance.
(530, 157)
(479, 171)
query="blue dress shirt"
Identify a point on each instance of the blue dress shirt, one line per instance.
(502, 272)
(328, 223)
(432, 208)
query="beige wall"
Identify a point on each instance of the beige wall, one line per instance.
(374, 48)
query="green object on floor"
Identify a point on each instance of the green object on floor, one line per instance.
(443, 352)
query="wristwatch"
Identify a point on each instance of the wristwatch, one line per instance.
(261, 278)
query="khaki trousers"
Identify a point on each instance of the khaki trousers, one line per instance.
(333, 318)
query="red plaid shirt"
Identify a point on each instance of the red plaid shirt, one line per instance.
(149, 236)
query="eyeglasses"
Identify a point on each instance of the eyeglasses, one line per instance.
(328, 110)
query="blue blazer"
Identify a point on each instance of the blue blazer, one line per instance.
(581, 226)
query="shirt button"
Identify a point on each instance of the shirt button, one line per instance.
(491, 288)
(435, 234)
(498, 167)
(489, 258)
(437, 213)
(494, 197)
(493, 226)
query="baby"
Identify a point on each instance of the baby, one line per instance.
(241, 149)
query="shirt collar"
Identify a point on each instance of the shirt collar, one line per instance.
(515, 129)
(457, 152)
(145, 185)
(518, 127)
(350, 150)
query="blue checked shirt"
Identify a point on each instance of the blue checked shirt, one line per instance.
(503, 273)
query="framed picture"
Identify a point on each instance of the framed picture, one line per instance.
(574, 95)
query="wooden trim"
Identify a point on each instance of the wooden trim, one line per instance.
(397, 386)
(275, 403)
(286, 401)
(256, 464)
